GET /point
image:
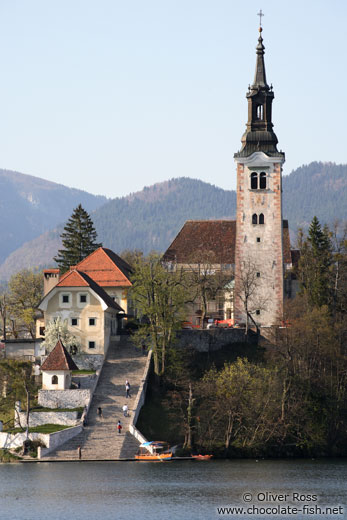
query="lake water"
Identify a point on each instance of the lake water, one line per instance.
(171, 490)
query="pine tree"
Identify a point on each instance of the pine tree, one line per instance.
(315, 263)
(79, 239)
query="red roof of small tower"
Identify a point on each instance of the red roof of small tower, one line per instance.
(59, 359)
(106, 268)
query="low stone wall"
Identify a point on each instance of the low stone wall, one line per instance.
(209, 340)
(15, 440)
(38, 418)
(88, 362)
(57, 439)
(139, 402)
(85, 381)
(64, 398)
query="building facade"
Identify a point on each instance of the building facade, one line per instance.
(259, 258)
(254, 249)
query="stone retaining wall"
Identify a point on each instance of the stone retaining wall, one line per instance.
(38, 418)
(15, 440)
(64, 398)
(139, 402)
(209, 340)
(88, 362)
(57, 439)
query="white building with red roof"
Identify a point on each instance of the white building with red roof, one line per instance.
(92, 314)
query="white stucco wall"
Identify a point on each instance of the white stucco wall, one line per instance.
(64, 380)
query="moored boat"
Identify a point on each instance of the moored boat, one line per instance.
(154, 451)
(202, 457)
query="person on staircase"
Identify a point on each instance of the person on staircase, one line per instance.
(127, 389)
(119, 427)
(125, 410)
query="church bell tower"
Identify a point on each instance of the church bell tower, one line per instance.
(259, 224)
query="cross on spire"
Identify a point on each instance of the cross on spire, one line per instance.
(260, 14)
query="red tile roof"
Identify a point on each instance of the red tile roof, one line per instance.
(106, 268)
(59, 359)
(212, 240)
(199, 240)
(76, 278)
(72, 279)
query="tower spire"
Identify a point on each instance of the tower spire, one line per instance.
(259, 134)
(260, 75)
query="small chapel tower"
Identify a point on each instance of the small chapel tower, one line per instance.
(259, 225)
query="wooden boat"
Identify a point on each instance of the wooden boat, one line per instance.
(154, 451)
(202, 457)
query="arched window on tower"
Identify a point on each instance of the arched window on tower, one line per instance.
(54, 380)
(263, 181)
(254, 218)
(254, 181)
(261, 218)
(260, 112)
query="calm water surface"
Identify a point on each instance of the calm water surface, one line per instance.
(172, 490)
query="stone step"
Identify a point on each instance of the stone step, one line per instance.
(100, 439)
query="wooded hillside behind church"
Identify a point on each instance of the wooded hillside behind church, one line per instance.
(151, 218)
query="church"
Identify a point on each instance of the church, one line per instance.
(255, 248)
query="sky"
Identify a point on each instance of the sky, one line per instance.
(110, 96)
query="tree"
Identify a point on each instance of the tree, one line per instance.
(24, 296)
(315, 263)
(243, 403)
(79, 239)
(207, 282)
(17, 383)
(58, 329)
(159, 298)
(248, 292)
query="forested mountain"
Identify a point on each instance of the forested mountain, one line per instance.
(150, 219)
(29, 206)
(315, 189)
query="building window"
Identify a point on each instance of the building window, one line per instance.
(83, 298)
(91, 344)
(54, 380)
(257, 312)
(258, 275)
(262, 183)
(254, 181)
(260, 112)
(261, 218)
(74, 322)
(92, 322)
(254, 218)
(258, 239)
(65, 298)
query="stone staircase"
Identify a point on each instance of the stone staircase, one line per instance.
(99, 439)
